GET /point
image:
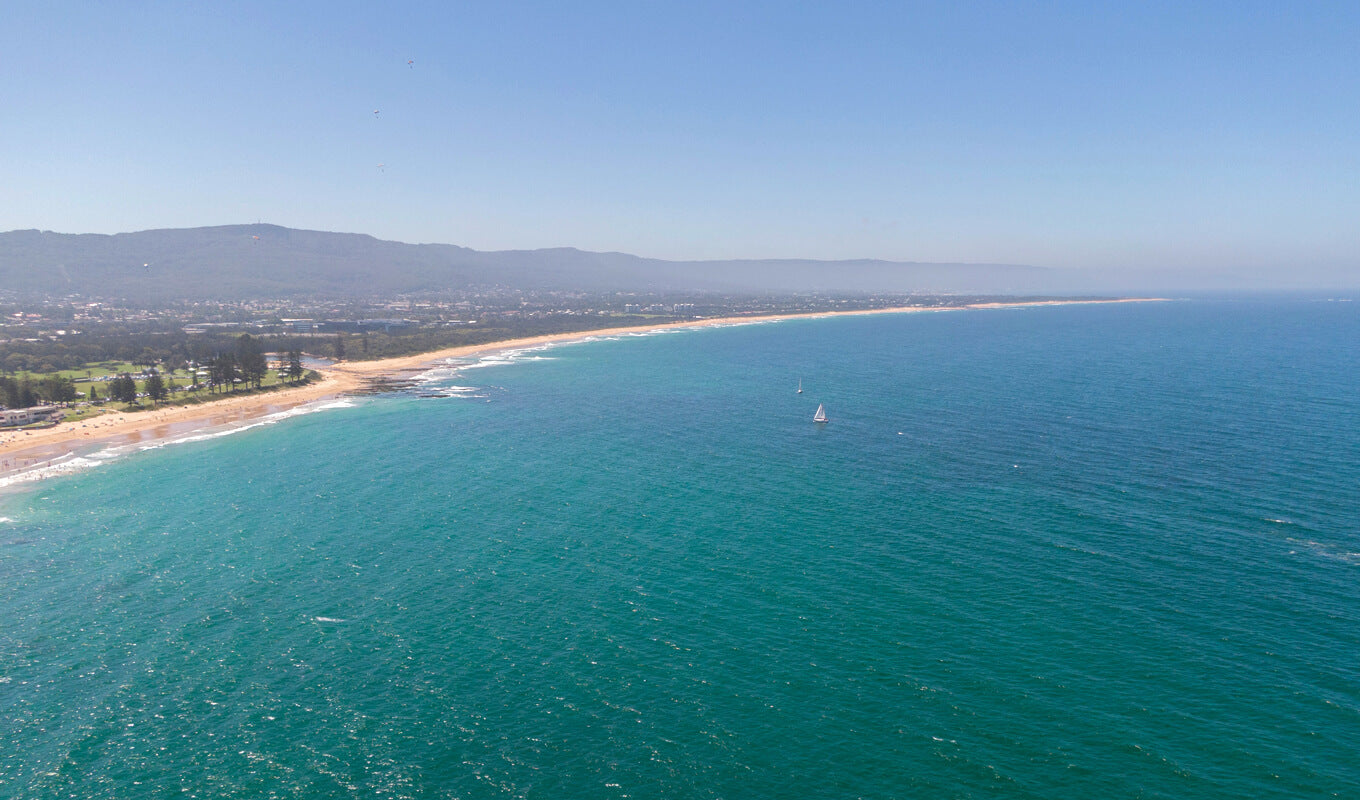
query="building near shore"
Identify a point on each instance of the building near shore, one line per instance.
(14, 417)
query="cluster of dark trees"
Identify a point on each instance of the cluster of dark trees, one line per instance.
(122, 388)
(295, 370)
(168, 345)
(166, 342)
(244, 363)
(24, 392)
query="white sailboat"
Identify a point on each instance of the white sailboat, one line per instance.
(800, 385)
(820, 416)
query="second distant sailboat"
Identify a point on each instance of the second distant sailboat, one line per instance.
(820, 416)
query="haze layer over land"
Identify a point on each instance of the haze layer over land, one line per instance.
(239, 262)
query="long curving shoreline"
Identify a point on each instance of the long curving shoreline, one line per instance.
(23, 451)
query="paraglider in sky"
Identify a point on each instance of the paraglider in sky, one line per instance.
(411, 63)
(380, 167)
(375, 113)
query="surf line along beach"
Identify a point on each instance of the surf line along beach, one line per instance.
(23, 451)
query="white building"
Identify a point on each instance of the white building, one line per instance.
(14, 417)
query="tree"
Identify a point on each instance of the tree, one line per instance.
(295, 365)
(127, 388)
(27, 397)
(57, 389)
(123, 388)
(10, 395)
(250, 359)
(155, 387)
(340, 347)
(222, 371)
(92, 395)
(214, 370)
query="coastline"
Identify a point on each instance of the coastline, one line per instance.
(25, 451)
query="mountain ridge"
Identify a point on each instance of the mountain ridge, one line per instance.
(260, 260)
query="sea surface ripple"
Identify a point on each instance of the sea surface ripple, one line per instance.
(1061, 552)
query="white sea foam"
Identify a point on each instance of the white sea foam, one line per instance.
(259, 423)
(462, 392)
(453, 367)
(1328, 551)
(437, 374)
(71, 463)
(328, 619)
(63, 465)
(744, 323)
(490, 361)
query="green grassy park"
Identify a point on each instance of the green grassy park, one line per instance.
(183, 386)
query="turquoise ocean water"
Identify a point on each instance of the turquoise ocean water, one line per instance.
(1062, 552)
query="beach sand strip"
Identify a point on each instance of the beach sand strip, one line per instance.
(21, 451)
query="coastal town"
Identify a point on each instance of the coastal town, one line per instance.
(68, 350)
(223, 394)
(51, 331)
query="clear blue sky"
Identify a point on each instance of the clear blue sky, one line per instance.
(1129, 135)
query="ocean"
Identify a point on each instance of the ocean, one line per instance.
(1053, 552)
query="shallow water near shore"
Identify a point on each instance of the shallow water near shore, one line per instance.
(1073, 551)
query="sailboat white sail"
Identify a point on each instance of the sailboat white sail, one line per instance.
(820, 416)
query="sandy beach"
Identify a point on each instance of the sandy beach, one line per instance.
(21, 451)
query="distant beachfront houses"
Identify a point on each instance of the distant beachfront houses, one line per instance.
(14, 417)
